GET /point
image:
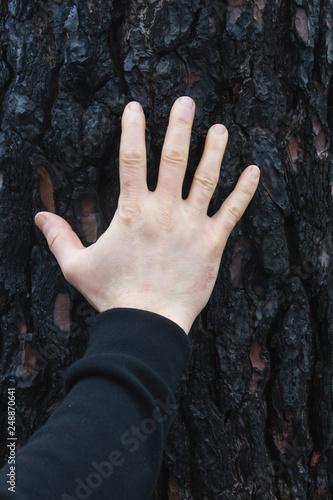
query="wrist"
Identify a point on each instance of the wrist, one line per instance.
(181, 318)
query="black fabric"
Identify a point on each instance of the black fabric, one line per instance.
(106, 439)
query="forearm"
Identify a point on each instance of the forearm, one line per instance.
(108, 434)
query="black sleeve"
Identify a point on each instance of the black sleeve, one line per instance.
(106, 439)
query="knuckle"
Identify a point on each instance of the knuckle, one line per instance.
(129, 213)
(234, 213)
(228, 225)
(245, 191)
(174, 158)
(214, 148)
(132, 157)
(52, 239)
(182, 121)
(206, 181)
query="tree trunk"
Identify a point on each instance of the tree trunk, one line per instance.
(255, 416)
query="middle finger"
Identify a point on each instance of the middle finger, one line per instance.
(176, 148)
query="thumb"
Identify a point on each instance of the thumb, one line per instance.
(62, 241)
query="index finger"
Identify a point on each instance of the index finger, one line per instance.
(235, 205)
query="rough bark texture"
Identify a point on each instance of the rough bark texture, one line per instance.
(255, 417)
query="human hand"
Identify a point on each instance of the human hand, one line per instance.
(160, 253)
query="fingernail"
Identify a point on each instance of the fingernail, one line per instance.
(186, 101)
(220, 129)
(134, 106)
(255, 172)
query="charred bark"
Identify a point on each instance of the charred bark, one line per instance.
(255, 416)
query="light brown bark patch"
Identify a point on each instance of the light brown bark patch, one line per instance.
(280, 443)
(255, 379)
(320, 136)
(54, 405)
(236, 268)
(46, 189)
(288, 427)
(302, 24)
(235, 9)
(257, 361)
(258, 11)
(194, 77)
(325, 259)
(22, 331)
(173, 493)
(89, 220)
(28, 365)
(295, 152)
(61, 312)
(29, 360)
(315, 458)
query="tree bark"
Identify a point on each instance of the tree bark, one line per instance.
(255, 414)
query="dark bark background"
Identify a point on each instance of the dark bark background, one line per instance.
(255, 417)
